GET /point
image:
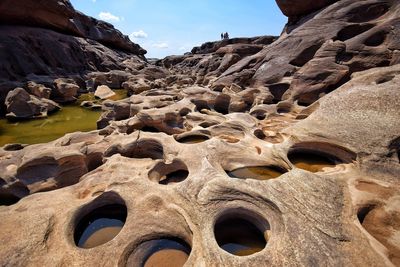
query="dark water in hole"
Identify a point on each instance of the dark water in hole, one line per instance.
(174, 177)
(239, 237)
(312, 162)
(258, 173)
(193, 139)
(100, 226)
(166, 252)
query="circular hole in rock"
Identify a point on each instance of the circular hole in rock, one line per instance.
(193, 139)
(376, 39)
(14, 147)
(144, 148)
(100, 225)
(8, 199)
(314, 157)
(312, 161)
(257, 173)
(363, 212)
(241, 233)
(171, 252)
(150, 129)
(173, 173)
(380, 222)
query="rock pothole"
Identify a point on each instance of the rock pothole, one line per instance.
(368, 12)
(99, 223)
(314, 156)
(257, 173)
(167, 251)
(144, 148)
(173, 173)
(7, 199)
(352, 31)
(241, 232)
(192, 139)
(382, 223)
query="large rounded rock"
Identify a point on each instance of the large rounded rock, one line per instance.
(21, 105)
(293, 8)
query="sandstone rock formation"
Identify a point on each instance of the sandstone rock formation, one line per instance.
(238, 154)
(21, 105)
(333, 215)
(51, 39)
(104, 92)
(293, 8)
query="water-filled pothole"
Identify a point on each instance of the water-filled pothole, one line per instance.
(312, 161)
(381, 222)
(241, 235)
(257, 173)
(173, 173)
(100, 226)
(171, 252)
(314, 157)
(193, 139)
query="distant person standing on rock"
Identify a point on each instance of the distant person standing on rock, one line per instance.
(226, 35)
(222, 36)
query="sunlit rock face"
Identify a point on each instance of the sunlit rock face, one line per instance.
(292, 8)
(190, 172)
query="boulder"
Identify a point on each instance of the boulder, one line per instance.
(65, 90)
(38, 90)
(104, 92)
(293, 8)
(21, 105)
(136, 86)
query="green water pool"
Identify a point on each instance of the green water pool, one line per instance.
(72, 118)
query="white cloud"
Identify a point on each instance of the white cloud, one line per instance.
(160, 45)
(138, 34)
(107, 16)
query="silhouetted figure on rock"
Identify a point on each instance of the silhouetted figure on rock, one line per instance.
(222, 36)
(226, 35)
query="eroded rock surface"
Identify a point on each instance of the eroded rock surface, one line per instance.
(241, 154)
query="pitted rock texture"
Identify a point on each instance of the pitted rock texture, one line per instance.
(320, 106)
(327, 218)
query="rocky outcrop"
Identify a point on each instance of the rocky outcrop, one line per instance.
(343, 206)
(61, 16)
(21, 105)
(210, 60)
(294, 8)
(51, 39)
(306, 62)
(211, 47)
(241, 154)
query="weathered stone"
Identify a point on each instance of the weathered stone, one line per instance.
(21, 105)
(65, 90)
(104, 92)
(38, 90)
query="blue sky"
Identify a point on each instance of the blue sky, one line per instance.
(173, 27)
